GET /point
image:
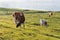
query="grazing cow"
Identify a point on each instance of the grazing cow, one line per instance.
(50, 14)
(19, 18)
(43, 22)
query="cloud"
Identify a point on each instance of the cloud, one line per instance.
(41, 0)
(31, 4)
(25, 0)
(13, 0)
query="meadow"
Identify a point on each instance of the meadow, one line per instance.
(33, 30)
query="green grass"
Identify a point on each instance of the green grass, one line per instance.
(32, 31)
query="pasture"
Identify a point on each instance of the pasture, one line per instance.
(32, 30)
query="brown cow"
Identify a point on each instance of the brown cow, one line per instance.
(19, 18)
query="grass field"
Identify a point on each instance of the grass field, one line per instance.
(33, 30)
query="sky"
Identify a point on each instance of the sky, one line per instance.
(51, 5)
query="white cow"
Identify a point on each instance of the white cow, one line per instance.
(50, 14)
(43, 22)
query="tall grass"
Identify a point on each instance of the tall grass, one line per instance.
(33, 30)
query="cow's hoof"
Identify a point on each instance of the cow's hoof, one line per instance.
(16, 26)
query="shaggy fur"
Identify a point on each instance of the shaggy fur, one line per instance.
(19, 18)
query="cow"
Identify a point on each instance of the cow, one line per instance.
(19, 18)
(50, 14)
(43, 22)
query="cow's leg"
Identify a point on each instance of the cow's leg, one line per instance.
(23, 25)
(16, 23)
(19, 24)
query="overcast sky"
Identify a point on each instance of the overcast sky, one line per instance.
(53, 5)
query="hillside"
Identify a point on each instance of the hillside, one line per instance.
(33, 30)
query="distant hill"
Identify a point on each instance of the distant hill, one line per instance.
(9, 9)
(24, 10)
